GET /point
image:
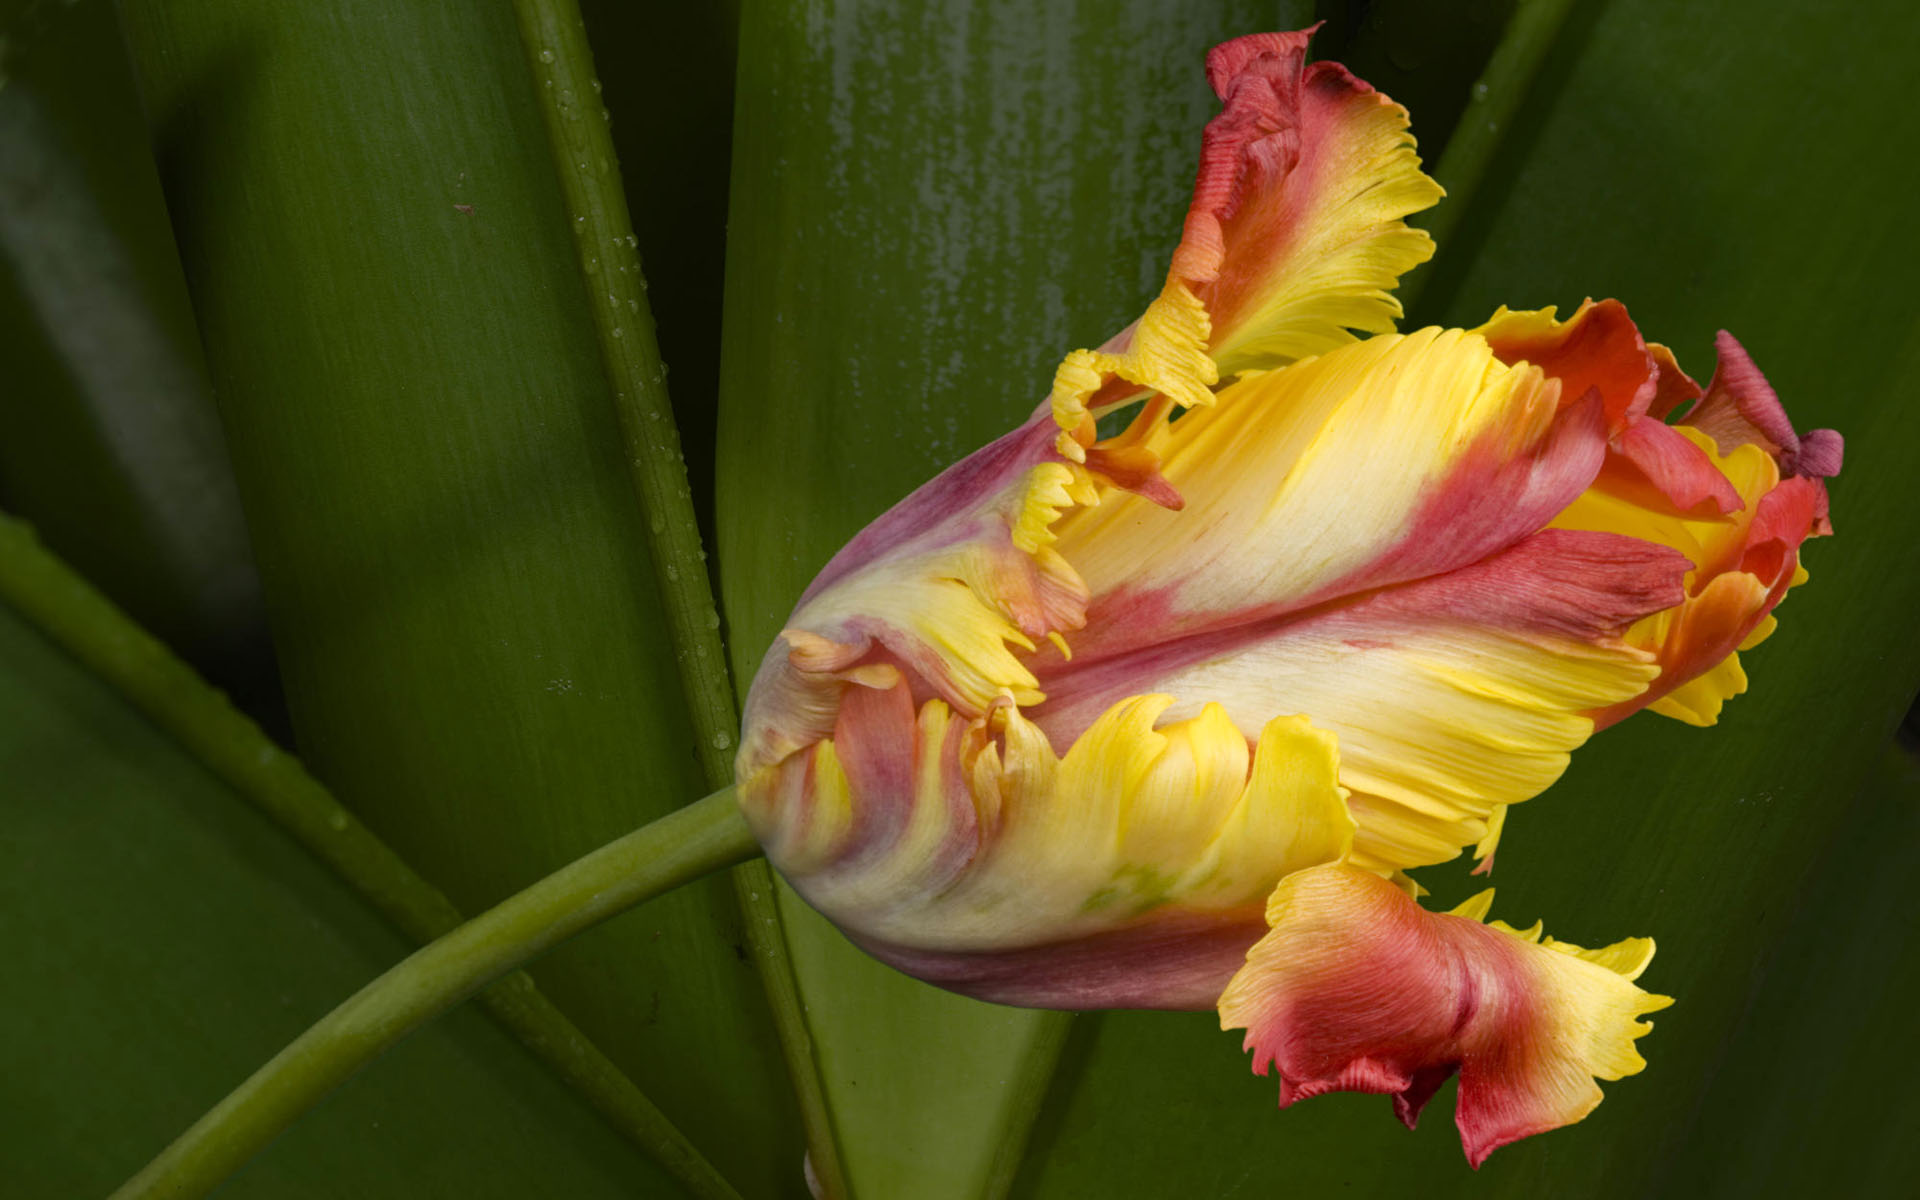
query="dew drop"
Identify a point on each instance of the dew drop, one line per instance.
(722, 740)
(546, 56)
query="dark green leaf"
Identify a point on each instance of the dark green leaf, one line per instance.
(368, 214)
(111, 444)
(163, 939)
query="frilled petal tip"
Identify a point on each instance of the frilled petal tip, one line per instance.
(1599, 352)
(1294, 239)
(1741, 408)
(1730, 485)
(1357, 988)
(1295, 233)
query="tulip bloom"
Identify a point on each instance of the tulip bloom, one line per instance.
(1163, 718)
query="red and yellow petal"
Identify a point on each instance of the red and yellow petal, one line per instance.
(1295, 237)
(1599, 352)
(1127, 872)
(1380, 462)
(1744, 559)
(1451, 696)
(1357, 988)
(1294, 240)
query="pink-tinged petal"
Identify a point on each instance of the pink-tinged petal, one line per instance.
(1450, 696)
(1599, 351)
(1741, 408)
(1673, 387)
(1377, 463)
(1295, 234)
(1356, 988)
(1128, 872)
(1728, 602)
(1175, 961)
(1673, 466)
(1744, 559)
(1294, 239)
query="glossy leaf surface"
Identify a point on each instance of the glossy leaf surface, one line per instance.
(428, 454)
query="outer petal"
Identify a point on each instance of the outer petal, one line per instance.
(1451, 696)
(1600, 351)
(1127, 873)
(1381, 462)
(1356, 988)
(1295, 234)
(947, 585)
(1743, 564)
(1293, 240)
(1741, 408)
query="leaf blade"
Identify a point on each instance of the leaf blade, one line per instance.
(430, 462)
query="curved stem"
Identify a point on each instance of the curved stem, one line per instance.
(673, 850)
(555, 40)
(1491, 109)
(69, 612)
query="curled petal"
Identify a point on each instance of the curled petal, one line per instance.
(1744, 559)
(1294, 238)
(1356, 988)
(1741, 408)
(967, 852)
(1599, 351)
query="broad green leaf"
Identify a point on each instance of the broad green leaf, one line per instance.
(1710, 165)
(111, 445)
(1830, 1009)
(367, 210)
(930, 206)
(163, 939)
(1426, 56)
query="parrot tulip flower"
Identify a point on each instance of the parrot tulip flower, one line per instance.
(1155, 701)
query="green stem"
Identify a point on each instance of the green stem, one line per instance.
(85, 624)
(558, 54)
(569, 94)
(1490, 111)
(673, 850)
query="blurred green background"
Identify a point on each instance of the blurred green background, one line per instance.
(300, 369)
